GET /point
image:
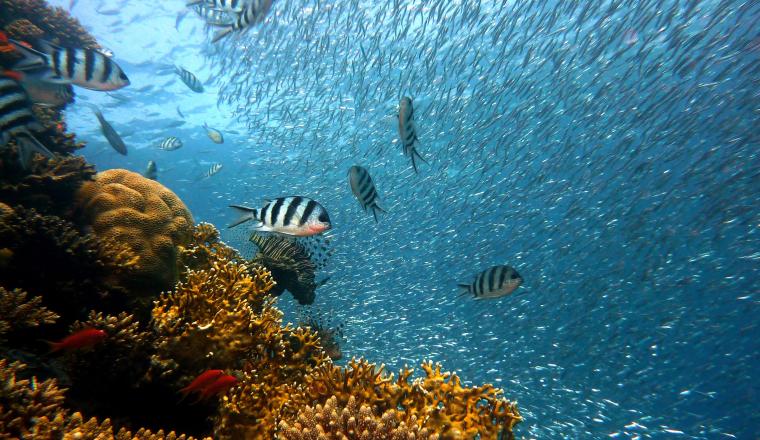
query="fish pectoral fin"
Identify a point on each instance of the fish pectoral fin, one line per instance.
(32, 59)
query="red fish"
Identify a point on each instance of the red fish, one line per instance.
(219, 386)
(201, 382)
(81, 339)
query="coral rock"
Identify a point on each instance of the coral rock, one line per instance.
(124, 206)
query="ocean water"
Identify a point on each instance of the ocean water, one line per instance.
(608, 150)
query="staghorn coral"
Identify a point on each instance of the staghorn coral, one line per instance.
(49, 186)
(438, 401)
(328, 329)
(351, 422)
(126, 207)
(18, 312)
(76, 272)
(22, 401)
(203, 248)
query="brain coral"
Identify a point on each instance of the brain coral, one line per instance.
(126, 207)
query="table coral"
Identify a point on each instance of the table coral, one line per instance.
(126, 207)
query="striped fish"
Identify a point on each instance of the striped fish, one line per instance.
(294, 215)
(235, 6)
(189, 79)
(108, 131)
(170, 144)
(364, 189)
(17, 119)
(214, 17)
(254, 13)
(214, 134)
(86, 68)
(215, 168)
(494, 282)
(407, 131)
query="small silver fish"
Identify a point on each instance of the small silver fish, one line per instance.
(493, 282)
(214, 134)
(109, 132)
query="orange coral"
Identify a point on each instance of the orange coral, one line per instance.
(56, 23)
(127, 207)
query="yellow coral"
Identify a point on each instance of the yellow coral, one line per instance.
(350, 422)
(127, 207)
(16, 311)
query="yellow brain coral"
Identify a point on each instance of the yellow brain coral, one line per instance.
(126, 207)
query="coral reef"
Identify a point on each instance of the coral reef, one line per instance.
(23, 19)
(328, 332)
(17, 312)
(351, 422)
(126, 207)
(49, 186)
(77, 271)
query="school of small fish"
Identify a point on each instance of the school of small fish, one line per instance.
(606, 150)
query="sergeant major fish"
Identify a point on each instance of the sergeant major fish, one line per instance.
(215, 168)
(253, 13)
(17, 119)
(170, 144)
(364, 189)
(235, 6)
(407, 131)
(493, 282)
(294, 215)
(214, 134)
(108, 131)
(189, 79)
(86, 68)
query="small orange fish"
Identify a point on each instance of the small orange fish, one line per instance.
(204, 380)
(81, 339)
(219, 386)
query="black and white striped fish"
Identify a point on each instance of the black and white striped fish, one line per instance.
(214, 17)
(170, 144)
(215, 168)
(253, 13)
(189, 79)
(364, 189)
(86, 68)
(17, 119)
(493, 282)
(294, 215)
(235, 6)
(407, 131)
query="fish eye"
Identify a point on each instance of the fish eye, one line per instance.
(514, 276)
(123, 76)
(323, 218)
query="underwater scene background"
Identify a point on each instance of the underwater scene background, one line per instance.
(607, 150)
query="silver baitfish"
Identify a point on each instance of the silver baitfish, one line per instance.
(364, 189)
(493, 282)
(17, 119)
(170, 144)
(407, 131)
(214, 134)
(86, 68)
(190, 80)
(108, 131)
(151, 171)
(252, 14)
(294, 215)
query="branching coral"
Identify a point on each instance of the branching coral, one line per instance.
(204, 247)
(49, 186)
(351, 422)
(76, 272)
(26, 18)
(18, 312)
(438, 401)
(126, 207)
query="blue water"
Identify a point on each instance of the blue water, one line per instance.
(609, 151)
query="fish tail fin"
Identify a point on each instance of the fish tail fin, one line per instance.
(464, 289)
(32, 59)
(226, 30)
(54, 346)
(376, 208)
(246, 214)
(27, 146)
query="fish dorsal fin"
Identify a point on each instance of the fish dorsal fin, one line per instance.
(48, 46)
